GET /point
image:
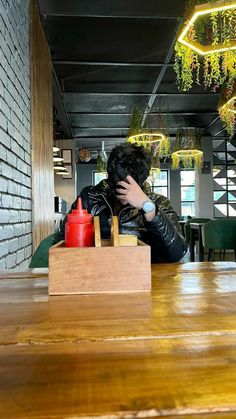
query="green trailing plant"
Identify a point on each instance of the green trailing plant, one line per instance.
(155, 167)
(186, 150)
(186, 66)
(228, 119)
(136, 120)
(163, 126)
(101, 165)
(216, 68)
(154, 139)
(227, 110)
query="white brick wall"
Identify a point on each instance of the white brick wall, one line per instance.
(15, 139)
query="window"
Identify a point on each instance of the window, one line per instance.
(159, 183)
(187, 184)
(97, 177)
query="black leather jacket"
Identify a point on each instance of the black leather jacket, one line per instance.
(162, 233)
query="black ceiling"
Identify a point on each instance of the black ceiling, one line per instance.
(110, 55)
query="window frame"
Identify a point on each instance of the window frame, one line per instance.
(184, 186)
(93, 177)
(153, 188)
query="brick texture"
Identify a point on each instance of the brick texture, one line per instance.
(15, 139)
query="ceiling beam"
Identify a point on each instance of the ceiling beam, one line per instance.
(74, 127)
(219, 132)
(212, 123)
(160, 76)
(109, 63)
(142, 94)
(99, 128)
(62, 101)
(123, 137)
(192, 113)
(109, 16)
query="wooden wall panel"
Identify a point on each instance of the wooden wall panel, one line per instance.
(42, 130)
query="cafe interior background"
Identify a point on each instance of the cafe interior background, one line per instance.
(73, 75)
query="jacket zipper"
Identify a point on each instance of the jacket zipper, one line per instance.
(100, 194)
(123, 210)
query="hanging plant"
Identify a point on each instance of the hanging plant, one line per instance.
(227, 110)
(154, 140)
(101, 165)
(186, 150)
(155, 167)
(210, 32)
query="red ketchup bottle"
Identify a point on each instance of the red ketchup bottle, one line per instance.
(79, 230)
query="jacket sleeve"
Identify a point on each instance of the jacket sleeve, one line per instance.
(167, 243)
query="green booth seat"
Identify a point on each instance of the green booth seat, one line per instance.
(221, 235)
(40, 256)
(187, 227)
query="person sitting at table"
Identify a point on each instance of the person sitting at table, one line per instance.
(140, 212)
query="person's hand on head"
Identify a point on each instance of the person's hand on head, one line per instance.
(129, 192)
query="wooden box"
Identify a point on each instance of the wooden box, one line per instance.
(113, 266)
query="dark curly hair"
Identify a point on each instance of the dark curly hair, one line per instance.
(128, 159)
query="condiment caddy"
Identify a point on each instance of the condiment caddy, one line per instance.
(121, 264)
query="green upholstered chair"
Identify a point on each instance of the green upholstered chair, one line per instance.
(219, 234)
(187, 227)
(40, 256)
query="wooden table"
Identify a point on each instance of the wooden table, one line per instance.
(169, 354)
(196, 227)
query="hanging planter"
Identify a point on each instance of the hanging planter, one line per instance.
(155, 168)
(210, 32)
(101, 165)
(186, 150)
(147, 139)
(227, 111)
(153, 140)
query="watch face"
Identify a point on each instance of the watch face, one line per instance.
(148, 206)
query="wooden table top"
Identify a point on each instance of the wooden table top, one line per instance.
(171, 353)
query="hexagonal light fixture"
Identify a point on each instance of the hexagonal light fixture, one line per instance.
(227, 114)
(230, 104)
(203, 10)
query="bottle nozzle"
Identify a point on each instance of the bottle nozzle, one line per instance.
(79, 205)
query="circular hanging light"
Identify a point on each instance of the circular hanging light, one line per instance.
(55, 149)
(84, 155)
(155, 141)
(57, 159)
(59, 166)
(146, 138)
(62, 172)
(186, 149)
(187, 157)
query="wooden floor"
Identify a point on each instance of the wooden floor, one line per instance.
(169, 354)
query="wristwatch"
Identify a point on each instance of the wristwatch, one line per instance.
(148, 206)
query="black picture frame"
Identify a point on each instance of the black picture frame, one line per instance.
(68, 175)
(67, 155)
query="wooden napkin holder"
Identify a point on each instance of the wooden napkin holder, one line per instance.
(122, 264)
